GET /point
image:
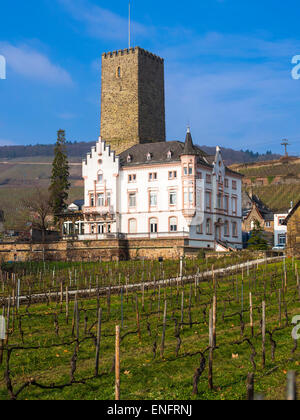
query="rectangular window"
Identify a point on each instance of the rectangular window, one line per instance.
(101, 200)
(208, 227)
(226, 229)
(170, 175)
(101, 229)
(185, 170)
(208, 200)
(220, 204)
(268, 224)
(191, 196)
(132, 200)
(234, 229)
(199, 229)
(226, 183)
(153, 226)
(92, 200)
(226, 203)
(282, 239)
(108, 228)
(100, 177)
(173, 198)
(132, 226)
(153, 199)
(186, 197)
(175, 174)
(132, 178)
(281, 221)
(152, 176)
(208, 178)
(234, 205)
(173, 224)
(108, 199)
(234, 185)
(190, 170)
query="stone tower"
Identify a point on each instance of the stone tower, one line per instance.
(132, 98)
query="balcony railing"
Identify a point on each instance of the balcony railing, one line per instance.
(105, 236)
(99, 210)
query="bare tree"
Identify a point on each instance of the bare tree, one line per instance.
(39, 207)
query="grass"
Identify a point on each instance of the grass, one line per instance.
(144, 376)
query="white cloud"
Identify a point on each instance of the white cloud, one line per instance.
(67, 116)
(254, 106)
(101, 23)
(236, 91)
(5, 142)
(32, 64)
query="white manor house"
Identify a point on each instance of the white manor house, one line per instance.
(160, 190)
(137, 185)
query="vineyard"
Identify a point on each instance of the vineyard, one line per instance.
(278, 197)
(285, 170)
(188, 330)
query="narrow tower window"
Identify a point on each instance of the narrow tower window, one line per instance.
(119, 72)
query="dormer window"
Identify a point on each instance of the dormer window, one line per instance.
(169, 154)
(149, 156)
(129, 158)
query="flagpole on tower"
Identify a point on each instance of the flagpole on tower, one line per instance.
(129, 26)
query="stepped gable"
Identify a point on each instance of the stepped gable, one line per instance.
(139, 154)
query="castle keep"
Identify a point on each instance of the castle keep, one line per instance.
(132, 98)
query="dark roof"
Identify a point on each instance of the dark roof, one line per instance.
(266, 213)
(78, 203)
(159, 151)
(189, 149)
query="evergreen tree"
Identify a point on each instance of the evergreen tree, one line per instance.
(257, 240)
(60, 185)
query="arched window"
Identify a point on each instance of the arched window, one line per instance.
(153, 225)
(173, 224)
(208, 227)
(132, 226)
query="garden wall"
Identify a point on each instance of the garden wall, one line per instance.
(106, 250)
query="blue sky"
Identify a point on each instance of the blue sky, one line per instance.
(228, 68)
